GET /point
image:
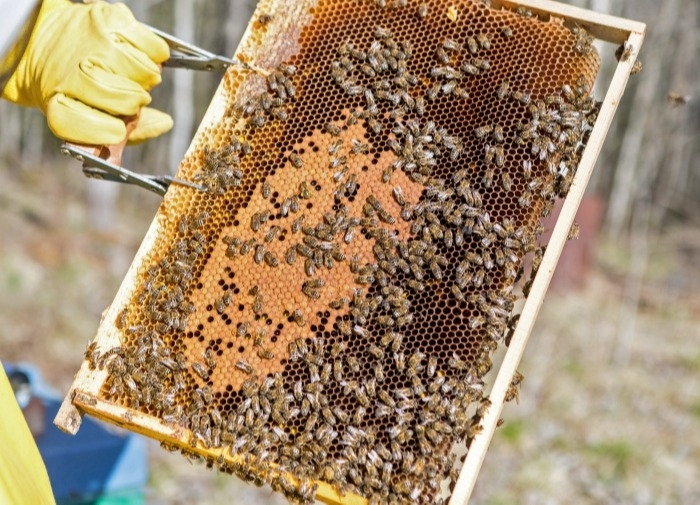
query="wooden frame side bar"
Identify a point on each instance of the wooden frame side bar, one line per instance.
(602, 26)
(477, 451)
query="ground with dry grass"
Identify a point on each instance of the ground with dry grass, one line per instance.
(594, 425)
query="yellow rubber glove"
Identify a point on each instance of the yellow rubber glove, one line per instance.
(23, 477)
(85, 66)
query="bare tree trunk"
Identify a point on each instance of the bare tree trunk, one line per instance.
(183, 86)
(633, 283)
(625, 184)
(10, 128)
(681, 135)
(236, 22)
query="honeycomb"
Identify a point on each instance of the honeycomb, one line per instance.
(328, 308)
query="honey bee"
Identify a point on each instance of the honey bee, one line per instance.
(244, 366)
(265, 354)
(484, 41)
(200, 370)
(636, 68)
(247, 246)
(506, 181)
(242, 329)
(259, 254)
(499, 156)
(525, 199)
(266, 190)
(375, 125)
(442, 56)
(295, 159)
(209, 359)
(523, 98)
(120, 322)
(574, 231)
(433, 92)
(482, 131)
(676, 99)
(503, 90)
(270, 259)
(507, 31)
(298, 318)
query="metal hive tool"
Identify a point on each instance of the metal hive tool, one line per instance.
(322, 317)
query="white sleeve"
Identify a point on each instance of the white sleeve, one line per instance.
(16, 23)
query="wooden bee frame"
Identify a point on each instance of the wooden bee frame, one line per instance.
(84, 394)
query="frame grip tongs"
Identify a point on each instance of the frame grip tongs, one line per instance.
(95, 166)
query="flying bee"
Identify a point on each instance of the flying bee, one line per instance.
(676, 99)
(574, 231)
(636, 68)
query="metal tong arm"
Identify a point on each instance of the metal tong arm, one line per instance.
(96, 168)
(193, 57)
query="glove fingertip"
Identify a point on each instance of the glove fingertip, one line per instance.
(152, 123)
(72, 120)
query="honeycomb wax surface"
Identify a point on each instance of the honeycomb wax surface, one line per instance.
(328, 308)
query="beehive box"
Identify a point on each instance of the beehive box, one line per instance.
(323, 316)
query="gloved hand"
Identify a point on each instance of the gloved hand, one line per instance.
(86, 65)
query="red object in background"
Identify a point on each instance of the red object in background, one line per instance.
(578, 255)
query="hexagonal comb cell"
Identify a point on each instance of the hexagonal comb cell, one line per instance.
(328, 308)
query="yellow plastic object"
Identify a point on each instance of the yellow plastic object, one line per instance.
(85, 65)
(23, 477)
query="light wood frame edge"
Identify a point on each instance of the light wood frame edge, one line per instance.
(477, 451)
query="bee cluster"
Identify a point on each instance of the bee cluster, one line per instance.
(327, 310)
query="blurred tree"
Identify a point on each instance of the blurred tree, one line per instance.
(651, 144)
